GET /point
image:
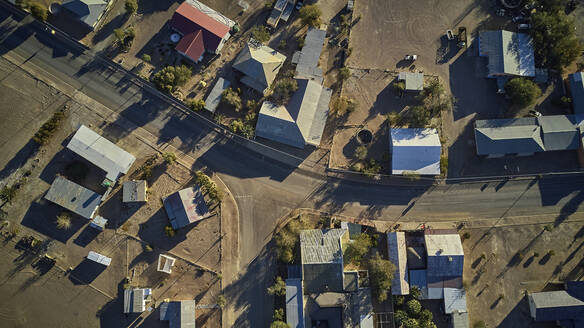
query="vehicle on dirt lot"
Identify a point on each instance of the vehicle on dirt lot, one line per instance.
(411, 57)
(449, 35)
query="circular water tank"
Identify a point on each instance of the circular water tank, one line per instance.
(365, 136)
(174, 37)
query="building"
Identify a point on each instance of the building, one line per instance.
(98, 223)
(98, 258)
(165, 263)
(101, 152)
(73, 197)
(294, 303)
(413, 81)
(135, 191)
(563, 306)
(396, 248)
(258, 65)
(510, 54)
(307, 59)
(322, 259)
(577, 90)
(185, 207)
(88, 12)
(179, 314)
(299, 123)
(202, 29)
(528, 135)
(214, 97)
(415, 150)
(135, 299)
(281, 11)
(445, 262)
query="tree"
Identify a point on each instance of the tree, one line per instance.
(171, 77)
(39, 11)
(278, 288)
(283, 90)
(260, 33)
(343, 104)
(146, 58)
(169, 158)
(64, 221)
(231, 97)
(523, 92)
(413, 307)
(411, 323)
(7, 193)
(415, 293)
(344, 73)
(279, 314)
(196, 105)
(426, 315)
(381, 274)
(361, 152)
(358, 248)
(400, 316)
(131, 6)
(279, 324)
(433, 90)
(310, 15)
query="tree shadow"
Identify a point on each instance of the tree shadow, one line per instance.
(108, 29)
(19, 159)
(545, 259)
(529, 261)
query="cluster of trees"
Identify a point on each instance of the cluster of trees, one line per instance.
(260, 33)
(310, 15)
(196, 105)
(208, 187)
(356, 250)
(283, 90)
(287, 238)
(49, 127)
(343, 105)
(244, 127)
(125, 37)
(370, 168)
(380, 276)
(131, 6)
(432, 101)
(555, 42)
(410, 313)
(171, 77)
(169, 158)
(522, 92)
(231, 97)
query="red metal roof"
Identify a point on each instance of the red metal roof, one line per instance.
(192, 45)
(188, 19)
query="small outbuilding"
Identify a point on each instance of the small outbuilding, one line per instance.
(214, 97)
(294, 303)
(396, 248)
(73, 197)
(135, 299)
(566, 306)
(179, 314)
(415, 150)
(98, 223)
(185, 207)
(413, 81)
(98, 258)
(135, 191)
(165, 263)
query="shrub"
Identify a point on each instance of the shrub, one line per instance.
(357, 167)
(279, 314)
(343, 105)
(251, 105)
(466, 235)
(278, 288)
(171, 77)
(39, 11)
(231, 97)
(282, 44)
(279, 324)
(400, 317)
(361, 152)
(523, 92)
(7, 193)
(415, 292)
(426, 315)
(380, 274)
(64, 221)
(283, 90)
(169, 231)
(131, 6)
(260, 33)
(148, 248)
(548, 227)
(535, 254)
(443, 164)
(169, 158)
(551, 253)
(411, 323)
(48, 128)
(125, 37)
(146, 58)
(287, 238)
(413, 307)
(221, 301)
(399, 86)
(310, 15)
(394, 119)
(196, 105)
(358, 248)
(344, 73)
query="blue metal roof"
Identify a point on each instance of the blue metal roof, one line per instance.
(294, 303)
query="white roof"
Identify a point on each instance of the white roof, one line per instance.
(396, 249)
(454, 300)
(101, 152)
(415, 150)
(443, 245)
(96, 257)
(165, 263)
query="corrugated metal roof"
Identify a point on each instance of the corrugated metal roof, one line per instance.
(165, 263)
(414, 81)
(308, 57)
(98, 223)
(294, 303)
(188, 19)
(445, 255)
(559, 132)
(214, 97)
(101, 152)
(509, 53)
(321, 246)
(418, 279)
(192, 45)
(260, 64)
(396, 249)
(185, 207)
(134, 191)
(556, 305)
(454, 300)
(577, 90)
(101, 259)
(135, 300)
(179, 314)
(87, 11)
(415, 150)
(73, 197)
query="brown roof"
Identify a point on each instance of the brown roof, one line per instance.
(192, 45)
(188, 19)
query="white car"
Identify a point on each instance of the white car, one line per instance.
(411, 57)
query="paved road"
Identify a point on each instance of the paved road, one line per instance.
(266, 190)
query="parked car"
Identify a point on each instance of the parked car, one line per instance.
(411, 57)
(524, 26)
(534, 113)
(299, 5)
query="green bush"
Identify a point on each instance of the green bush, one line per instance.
(310, 15)
(283, 90)
(169, 158)
(260, 33)
(344, 73)
(343, 105)
(196, 105)
(64, 221)
(411, 323)
(361, 152)
(39, 11)
(394, 119)
(146, 58)
(358, 248)
(523, 92)
(48, 128)
(169, 231)
(278, 288)
(279, 324)
(171, 77)
(131, 6)
(413, 307)
(444, 164)
(380, 275)
(221, 301)
(400, 317)
(279, 314)
(288, 237)
(231, 97)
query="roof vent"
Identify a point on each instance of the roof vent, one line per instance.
(450, 259)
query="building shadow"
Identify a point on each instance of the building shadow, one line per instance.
(41, 217)
(112, 313)
(86, 272)
(519, 314)
(86, 236)
(19, 159)
(107, 30)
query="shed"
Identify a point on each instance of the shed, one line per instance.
(98, 223)
(555, 305)
(577, 90)
(101, 152)
(185, 207)
(165, 263)
(396, 249)
(413, 81)
(294, 303)
(214, 97)
(98, 258)
(179, 314)
(135, 191)
(135, 299)
(73, 197)
(415, 150)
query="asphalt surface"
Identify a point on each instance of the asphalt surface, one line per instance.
(265, 190)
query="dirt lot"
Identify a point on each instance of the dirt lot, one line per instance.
(503, 271)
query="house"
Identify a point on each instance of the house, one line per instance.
(307, 59)
(415, 150)
(165, 263)
(299, 123)
(413, 81)
(577, 90)
(528, 135)
(98, 258)
(322, 259)
(563, 306)
(282, 10)
(88, 12)
(73, 197)
(396, 248)
(185, 207)
(134, 191)
(294, 303)
(135, 299)
(101, 152)
(258, 65)
(214, 97)
(179, 314)
(202, 29)
(509, 54)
